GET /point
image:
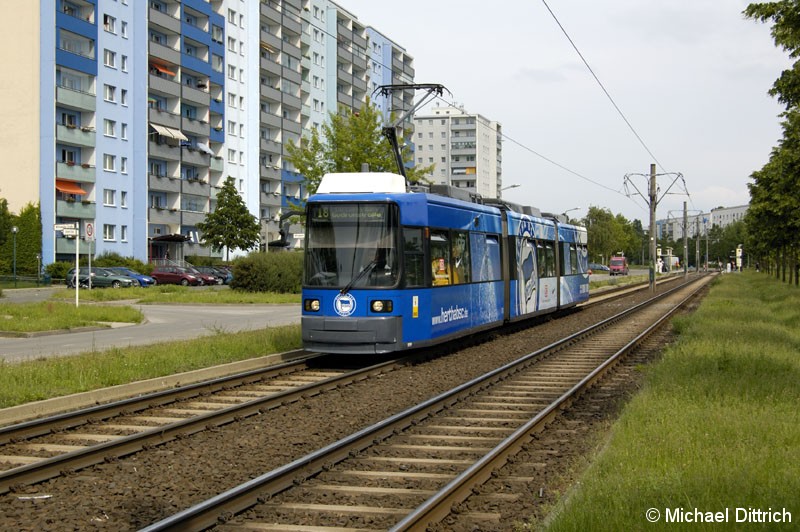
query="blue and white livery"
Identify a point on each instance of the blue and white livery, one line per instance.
(388, 270)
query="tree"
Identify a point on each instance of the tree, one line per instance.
(28, 240)
(346, 141)
(231, 225)
(773, 219)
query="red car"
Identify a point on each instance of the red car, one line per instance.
(175, 275)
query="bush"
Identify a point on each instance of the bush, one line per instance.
(58, 270)
(279, 272)
(115, 259)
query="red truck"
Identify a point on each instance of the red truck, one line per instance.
(618, 265)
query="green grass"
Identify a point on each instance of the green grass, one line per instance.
(53, 315)
(717, 426)
(41, 379)
(178, 294)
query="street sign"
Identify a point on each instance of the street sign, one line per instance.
(70, 231)
(88, 230)
(61, 227)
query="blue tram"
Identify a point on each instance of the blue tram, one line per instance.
(388, 270)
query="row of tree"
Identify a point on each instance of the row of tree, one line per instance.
(28, 239)
(773, 218)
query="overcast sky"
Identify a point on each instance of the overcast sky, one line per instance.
(690, 76)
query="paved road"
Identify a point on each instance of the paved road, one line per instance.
(163, 323)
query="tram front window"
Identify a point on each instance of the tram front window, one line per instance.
(352, 245)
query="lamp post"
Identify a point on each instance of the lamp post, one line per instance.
(570, 210)
(14, 231)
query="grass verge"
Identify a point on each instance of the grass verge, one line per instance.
(53, 377)
(178, 294)
(54, 315)
(716, 428)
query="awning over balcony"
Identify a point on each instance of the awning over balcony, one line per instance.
(69, 187)
(169, 132)
(162, 69)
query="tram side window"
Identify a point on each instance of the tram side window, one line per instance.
(414, 257)
(460, 258)
(440, 259)
(569, 259)
(546, 258)
(485, 257)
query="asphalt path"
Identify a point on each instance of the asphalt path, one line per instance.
(162, 323)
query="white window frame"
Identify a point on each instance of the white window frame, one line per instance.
(109, 128)
(109, 93)
(109, 58)
(109, 231)
(109, 197)
(109, 162)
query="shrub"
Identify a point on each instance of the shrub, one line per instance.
(279, 272)
(115, 259)
(58, 270)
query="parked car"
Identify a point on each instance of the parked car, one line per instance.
(618, 266)
(223, 276)
(100, 277)
(143, 280)
(175, 275)
(598, 268)
(206, 278)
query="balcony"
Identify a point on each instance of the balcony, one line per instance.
(163, 151)
(75, 172)
(194, 156)
(217, 164)
(164, 86)
(76, 136)
(84, 101)
(166, 53)
(194, 127)
(270, 13)
(196, 187)
(76, 209)
(163, 184)
(270, 93)
(164, 118)
(195, 95)
(193, 218)
(270, 66)
(67, 245)
(162, 215)
(270, 120)
(168, 22)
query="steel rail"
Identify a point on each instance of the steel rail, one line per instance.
(438, 506)
(207, 513)
(54, 466)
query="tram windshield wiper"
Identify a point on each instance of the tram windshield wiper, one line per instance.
(368, 268)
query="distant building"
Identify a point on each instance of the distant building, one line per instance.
(130, 115)
(465, 149)
(672, 228)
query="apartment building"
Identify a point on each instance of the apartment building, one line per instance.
(465, 149)
(130, 115)
(673, 227)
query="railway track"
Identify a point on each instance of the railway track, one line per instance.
(410, 469)
(44, 448)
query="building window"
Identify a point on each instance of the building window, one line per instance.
(109, 58)
(231, 44)
(232, 16)
(109, 162)
(109, 92)
(124, 29)
(123, 233)
(231, 156)
(123, 200)
(123, 165)
(108, 231)
(109, 23)
(108, 197)
(109, 128)
(123, 131)
(123, 96)
(123, 65)
(231, 99)
(217, 62)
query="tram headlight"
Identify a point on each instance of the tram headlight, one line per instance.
(381, 306)
(311, 305)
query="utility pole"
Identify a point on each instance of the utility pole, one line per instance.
(685, 242)
(653, 204)
(697, 244)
